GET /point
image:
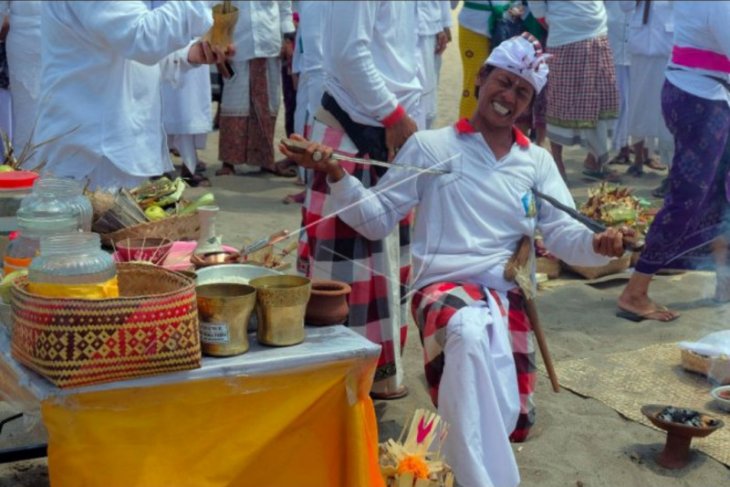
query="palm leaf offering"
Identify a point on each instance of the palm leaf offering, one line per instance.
(617, 205)
(415, 459)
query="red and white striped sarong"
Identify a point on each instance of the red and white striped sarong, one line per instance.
(433, 307)
(377, 270)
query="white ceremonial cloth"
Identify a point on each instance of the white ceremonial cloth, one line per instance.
(618, 33)
(260, 27)
(100, 84)
(433, 16)
(571, 20)
(479, 398)
(372, 56)
(702, 25)
(312, 15)
(23, 47)
(470, 221)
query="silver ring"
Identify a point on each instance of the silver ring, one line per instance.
(317, 156)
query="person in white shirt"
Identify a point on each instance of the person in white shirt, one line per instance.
(696, 107)
(582, 100)
(100, 85)
(371, 106)
(187, 117)
(23, 47)
(469, 222)
(434, 34)
(618, 37)
(474, 45)
(650, 44)
(251, 97)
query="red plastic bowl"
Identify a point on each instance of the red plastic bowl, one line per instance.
(152, 250)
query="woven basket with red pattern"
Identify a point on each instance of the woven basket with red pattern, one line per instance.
(150, 329)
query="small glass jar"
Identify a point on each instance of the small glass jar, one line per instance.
(73, 265)
(22, 250)
(70, 192)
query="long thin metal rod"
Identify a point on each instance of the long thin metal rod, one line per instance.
(299, 147)
(372, 162)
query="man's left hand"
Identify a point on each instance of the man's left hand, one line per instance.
(611, 242)
(203, 52)
(442, 40)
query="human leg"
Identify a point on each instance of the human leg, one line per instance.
(696, 200)
(479, 364)
(557, 151)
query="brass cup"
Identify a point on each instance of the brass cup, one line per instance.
(281, 305)
(224, 311)
(224, 25)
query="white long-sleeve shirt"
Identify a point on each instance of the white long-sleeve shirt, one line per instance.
(571, 20)
(371, 61)
(433, 16)
(100, 82)
(312, 16)
(618, 32)
(469, 222)
(702, 25)
(260, 27)
(654, 38)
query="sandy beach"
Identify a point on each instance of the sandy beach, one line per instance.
(577, 440)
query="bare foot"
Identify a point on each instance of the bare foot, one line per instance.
(640, 308)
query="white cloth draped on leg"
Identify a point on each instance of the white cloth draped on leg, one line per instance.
(478, 397)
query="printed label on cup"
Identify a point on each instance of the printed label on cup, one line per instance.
(214, 333)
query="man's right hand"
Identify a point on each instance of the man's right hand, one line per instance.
(397, 134)
(321, 162)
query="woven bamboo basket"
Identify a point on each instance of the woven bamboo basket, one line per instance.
(185, 227)
(718, 368)
(150, 329)
(613, 267)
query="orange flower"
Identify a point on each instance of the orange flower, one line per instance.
(415, 465)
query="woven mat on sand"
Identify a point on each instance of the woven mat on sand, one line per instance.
(653, 375)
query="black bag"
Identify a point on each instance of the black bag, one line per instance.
(502, 25)
(369, 140)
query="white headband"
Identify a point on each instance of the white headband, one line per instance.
(523, 56)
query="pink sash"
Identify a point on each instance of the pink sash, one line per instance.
(692, 57)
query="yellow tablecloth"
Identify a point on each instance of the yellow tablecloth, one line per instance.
(270, 418)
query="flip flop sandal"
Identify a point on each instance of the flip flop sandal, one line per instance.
(620, 160)
(609, 176)
(639, 317)
(294, 198)
(389, 396)
(226, 170)
(284, 172)
(197, 181)
(654, 164)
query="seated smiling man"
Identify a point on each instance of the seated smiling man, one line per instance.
(477, 340)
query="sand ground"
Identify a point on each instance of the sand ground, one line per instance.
(576, 441)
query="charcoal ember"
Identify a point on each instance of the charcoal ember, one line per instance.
(687, 417)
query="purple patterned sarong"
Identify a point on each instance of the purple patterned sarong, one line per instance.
(695, 207)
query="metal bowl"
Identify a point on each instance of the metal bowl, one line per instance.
(232, 274)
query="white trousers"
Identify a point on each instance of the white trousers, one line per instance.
(479, 398)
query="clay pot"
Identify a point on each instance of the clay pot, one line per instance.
(328, 303)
